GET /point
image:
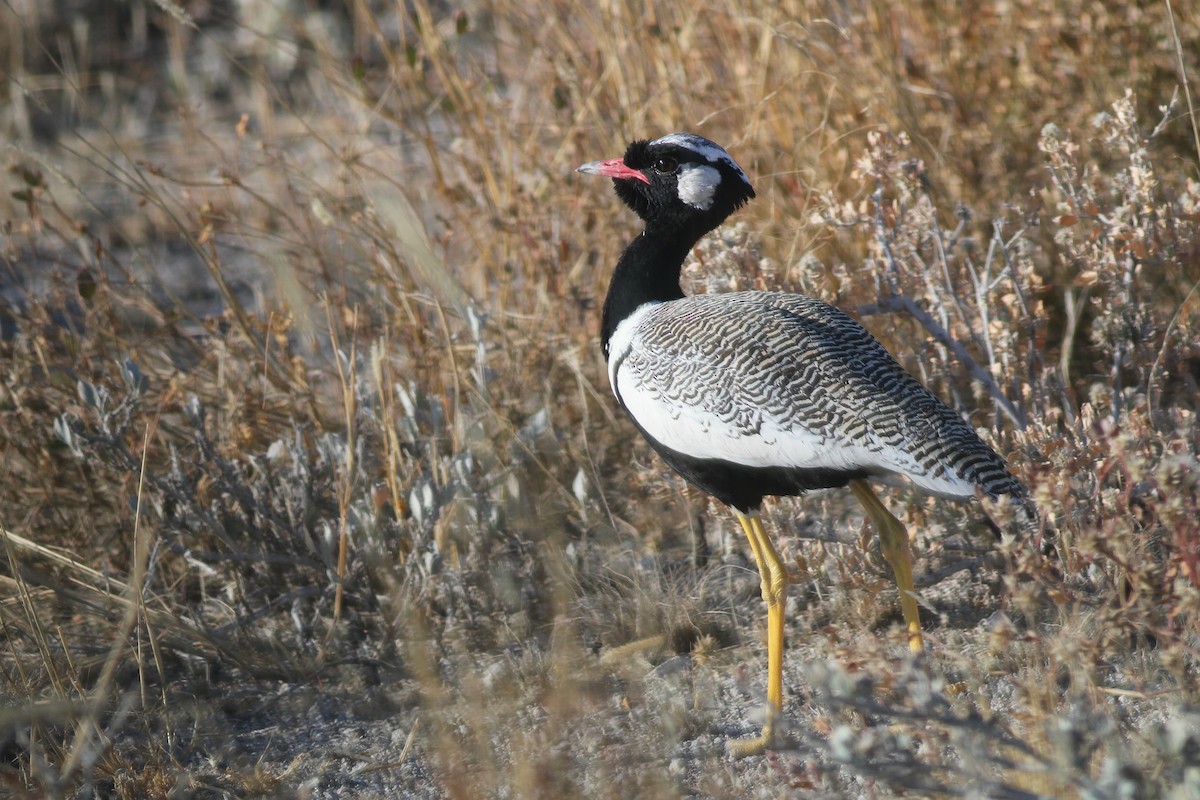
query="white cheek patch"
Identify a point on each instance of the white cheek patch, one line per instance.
(697, 185)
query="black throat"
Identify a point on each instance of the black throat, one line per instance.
(647, 272)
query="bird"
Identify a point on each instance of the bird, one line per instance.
(752, 394)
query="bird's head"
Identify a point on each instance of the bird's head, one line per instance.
(681, 180)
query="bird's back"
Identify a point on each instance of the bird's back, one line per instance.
(775, 381)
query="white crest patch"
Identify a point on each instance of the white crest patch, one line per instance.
(697, 185)
(706, 148)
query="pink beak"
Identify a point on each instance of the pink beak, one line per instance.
(613, 168)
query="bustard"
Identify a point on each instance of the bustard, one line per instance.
(750, 394)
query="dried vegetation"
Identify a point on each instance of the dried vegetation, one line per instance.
(310, 480)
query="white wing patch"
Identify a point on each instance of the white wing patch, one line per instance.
(697, 185)
(714, 411)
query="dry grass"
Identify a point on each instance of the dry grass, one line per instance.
(312, 485)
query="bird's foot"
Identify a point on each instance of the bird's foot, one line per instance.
(771, 739)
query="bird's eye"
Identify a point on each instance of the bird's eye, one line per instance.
(666, 165)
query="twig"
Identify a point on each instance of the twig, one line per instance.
(904, 303)
(1187, 88)
(898, 301)
(88, 728)
(1166, 338)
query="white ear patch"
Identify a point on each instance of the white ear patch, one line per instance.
(698, 184)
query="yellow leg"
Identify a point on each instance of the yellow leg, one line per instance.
(774, 591)
(893, 540)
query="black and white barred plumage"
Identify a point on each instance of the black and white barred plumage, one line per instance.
(750, 394)
(789, 384)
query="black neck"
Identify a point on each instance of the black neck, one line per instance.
(647, 272)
